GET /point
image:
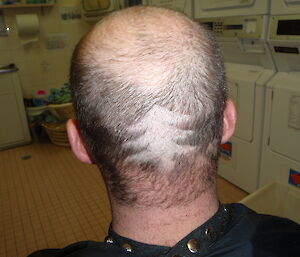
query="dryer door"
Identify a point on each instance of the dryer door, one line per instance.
(239, 162)
(242, 84)
(285, 117)
(243, 95)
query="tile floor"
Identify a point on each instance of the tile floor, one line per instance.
(49, 199)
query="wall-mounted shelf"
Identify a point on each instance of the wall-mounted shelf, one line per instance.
(3, 6)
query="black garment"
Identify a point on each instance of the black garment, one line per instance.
(234, 231)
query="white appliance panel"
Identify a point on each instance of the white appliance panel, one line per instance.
(279, 7)
(285, 27)
(225, 8)
(223, 4)
(242, 39)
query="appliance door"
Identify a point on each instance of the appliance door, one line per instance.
(241, 82)
(14, 128)
(285, 117)
(240, 157)
(280, 155)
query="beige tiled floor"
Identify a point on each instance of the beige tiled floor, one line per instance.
(49, 199)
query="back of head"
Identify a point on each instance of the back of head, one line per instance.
(149, 93)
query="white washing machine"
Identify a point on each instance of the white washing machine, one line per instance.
(225, 8)
(280, 154)
(249, 67)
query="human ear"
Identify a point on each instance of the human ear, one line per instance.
(229, 121)
(76, 142)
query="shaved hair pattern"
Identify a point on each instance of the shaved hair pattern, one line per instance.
(149, 93)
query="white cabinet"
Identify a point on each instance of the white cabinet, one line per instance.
(13, 123)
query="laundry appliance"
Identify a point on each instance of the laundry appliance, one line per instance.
(281, 140)
(249, 67)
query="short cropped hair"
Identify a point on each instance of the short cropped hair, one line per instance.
(149, 93)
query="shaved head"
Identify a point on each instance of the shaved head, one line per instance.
(149, 94)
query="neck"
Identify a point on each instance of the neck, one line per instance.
(161, 226)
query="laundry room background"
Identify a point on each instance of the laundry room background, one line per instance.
(43, 64)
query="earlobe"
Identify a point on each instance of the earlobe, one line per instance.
(229, 121)
(76, 142)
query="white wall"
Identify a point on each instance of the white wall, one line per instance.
(41, 68)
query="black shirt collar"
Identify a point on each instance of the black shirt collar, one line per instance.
(198, 241)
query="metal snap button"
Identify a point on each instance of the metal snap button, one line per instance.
(210, 233)
(109, 240)
(127, 247)
(193, 245)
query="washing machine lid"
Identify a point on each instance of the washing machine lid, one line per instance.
(285, 7)
(225, 8)
(284, 131)
(242, 85)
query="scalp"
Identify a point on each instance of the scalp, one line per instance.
(165, 126)
(142, 45)
(149, 93)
